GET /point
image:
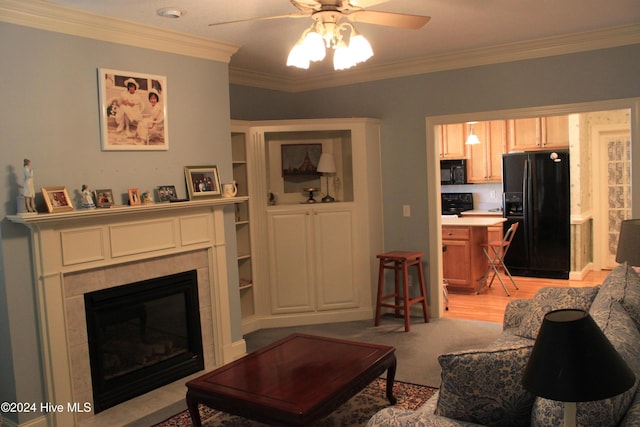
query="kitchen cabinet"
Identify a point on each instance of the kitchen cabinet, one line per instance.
(495, 233)
(484, 162)
(463, 262)
(452, 138)
(311, 250)
(540, 133)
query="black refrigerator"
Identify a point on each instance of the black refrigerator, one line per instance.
(536, 194)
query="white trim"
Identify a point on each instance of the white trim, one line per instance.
(433, 156)
(518, 51)
(52, 17)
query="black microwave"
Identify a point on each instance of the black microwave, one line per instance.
(453, 172)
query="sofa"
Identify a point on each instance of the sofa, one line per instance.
(483, 386)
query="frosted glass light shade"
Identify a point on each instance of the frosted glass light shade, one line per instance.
(342, 58)
(313, 45)
(298, 57)
(360, 48)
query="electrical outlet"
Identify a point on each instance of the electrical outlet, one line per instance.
(492, 194)
(406, 210)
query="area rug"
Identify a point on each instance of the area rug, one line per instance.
(356, 412)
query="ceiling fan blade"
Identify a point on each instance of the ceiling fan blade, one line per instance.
(389, 19)
(363, 4)
(306, 6)
(264, 18)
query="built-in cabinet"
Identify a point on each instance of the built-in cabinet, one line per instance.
(485, 159)
(452, 138)
(540, 133)
(239, 143)
(311, 251)
(311, 262)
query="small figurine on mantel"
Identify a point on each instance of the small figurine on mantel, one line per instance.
(28, 190)
(87, 198)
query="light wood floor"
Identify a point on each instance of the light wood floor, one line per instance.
(491, 302)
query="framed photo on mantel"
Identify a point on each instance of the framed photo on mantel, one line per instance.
(202, 182)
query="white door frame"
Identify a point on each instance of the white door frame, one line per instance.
(433, 166)
(601, 256)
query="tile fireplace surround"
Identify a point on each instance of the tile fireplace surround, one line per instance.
(83, 251)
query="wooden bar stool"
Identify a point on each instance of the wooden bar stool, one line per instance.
(399, 262)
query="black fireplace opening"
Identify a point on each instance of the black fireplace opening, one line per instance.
(142, 336)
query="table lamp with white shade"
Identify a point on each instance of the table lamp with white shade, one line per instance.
(573, 361)
(327, 165)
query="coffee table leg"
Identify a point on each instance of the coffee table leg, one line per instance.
(391, 375)
(192, 405)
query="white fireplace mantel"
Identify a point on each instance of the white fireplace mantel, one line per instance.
(99, 240)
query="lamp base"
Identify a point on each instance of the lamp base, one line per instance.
(328, 199)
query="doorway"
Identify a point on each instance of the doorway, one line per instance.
(433, 156)
(612, 182)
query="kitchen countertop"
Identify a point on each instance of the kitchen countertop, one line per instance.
(481, 212)
(471, 221)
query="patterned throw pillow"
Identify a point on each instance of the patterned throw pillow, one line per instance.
(622, 285)
(554, 298)
(485, 386)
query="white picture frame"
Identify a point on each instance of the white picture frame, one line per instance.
(131, 120)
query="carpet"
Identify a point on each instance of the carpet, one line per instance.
(417, 351)
(355, 412)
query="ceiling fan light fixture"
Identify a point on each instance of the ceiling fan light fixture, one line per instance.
(298, 57)
(359, 47)
(342, 57)
(313, 44)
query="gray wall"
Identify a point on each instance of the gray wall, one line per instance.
(404, 103)
(49, 113)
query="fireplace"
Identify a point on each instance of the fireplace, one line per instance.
(142, 336)
(91, 250)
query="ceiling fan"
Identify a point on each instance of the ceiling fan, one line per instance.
(330, 11)
(326, 30)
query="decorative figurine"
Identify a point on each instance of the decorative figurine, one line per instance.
(87, 198)
(28, 190)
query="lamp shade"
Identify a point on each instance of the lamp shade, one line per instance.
(573, 361)
(629, 243)
(326, 164)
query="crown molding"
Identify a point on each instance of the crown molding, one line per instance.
(550, 46)
(52, 17)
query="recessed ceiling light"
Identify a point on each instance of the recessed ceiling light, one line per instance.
(170, 12)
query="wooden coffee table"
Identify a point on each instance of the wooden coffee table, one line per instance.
(294, 381)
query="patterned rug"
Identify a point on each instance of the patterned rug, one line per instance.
(356, 412)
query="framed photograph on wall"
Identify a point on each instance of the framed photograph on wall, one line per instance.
(104, 198)
(300, 161)
(133, 111)
(202, 182)
(134, 197)
(57, 199)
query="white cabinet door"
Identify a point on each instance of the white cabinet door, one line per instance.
(334, 254)
(291, 261)
(311, 252)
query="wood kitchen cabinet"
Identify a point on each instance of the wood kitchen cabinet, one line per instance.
(484, 162)
(452, 138)
(463, 262)
(540, 133)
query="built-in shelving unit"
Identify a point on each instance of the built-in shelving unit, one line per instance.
(239, 136)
